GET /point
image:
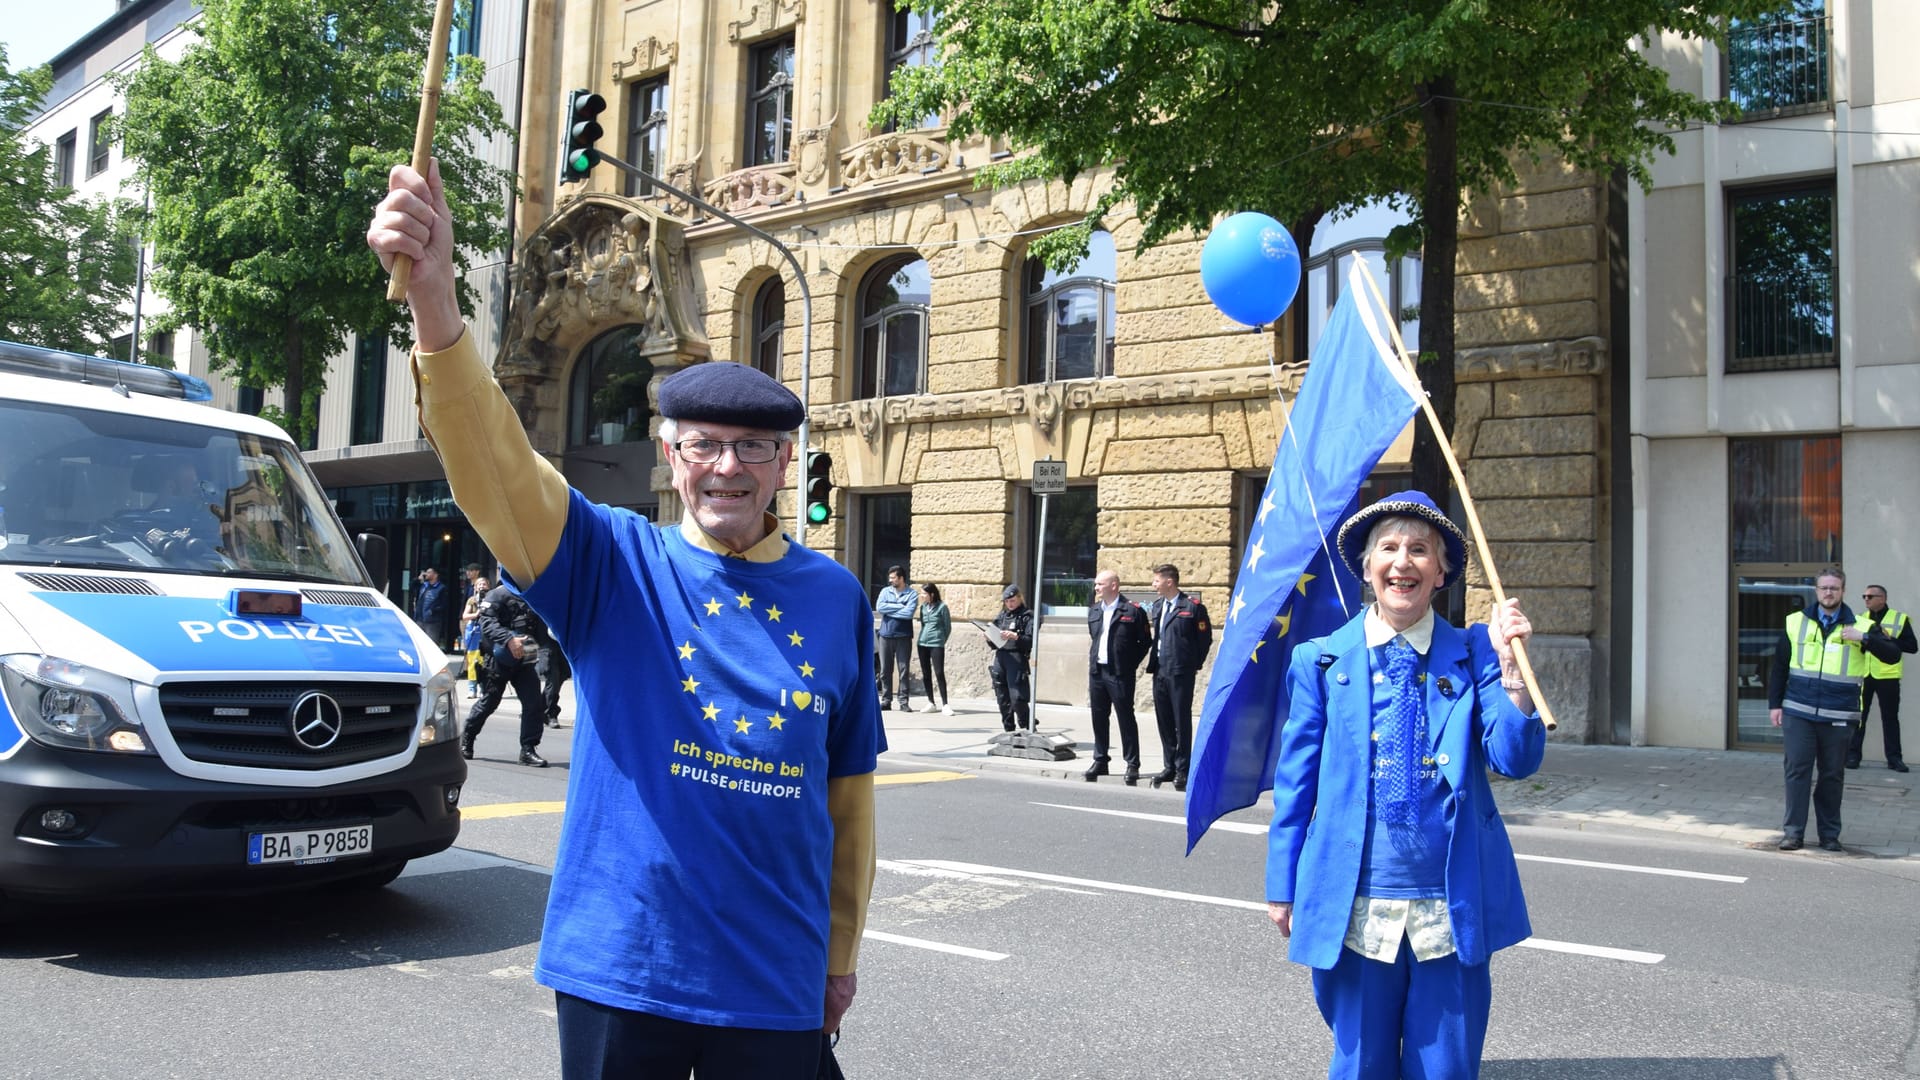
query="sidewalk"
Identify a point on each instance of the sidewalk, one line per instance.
(1727, 795)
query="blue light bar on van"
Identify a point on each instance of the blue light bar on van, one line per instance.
(55, 364)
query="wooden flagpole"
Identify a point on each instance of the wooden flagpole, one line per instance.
(1466, 499)
(434, 79)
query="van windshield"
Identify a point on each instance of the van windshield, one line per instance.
(102, 490)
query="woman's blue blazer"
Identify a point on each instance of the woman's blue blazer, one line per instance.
(1321, 789)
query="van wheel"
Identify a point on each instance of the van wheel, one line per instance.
(377, 878)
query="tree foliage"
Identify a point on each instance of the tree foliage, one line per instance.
(66, 263)
(1308, 107)
(265, 147)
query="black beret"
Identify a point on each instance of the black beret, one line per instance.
(727, 393)
(1009, 592)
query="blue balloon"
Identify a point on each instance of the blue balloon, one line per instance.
(1250, 268)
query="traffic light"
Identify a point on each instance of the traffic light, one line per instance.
(819, 487)
(583, 130)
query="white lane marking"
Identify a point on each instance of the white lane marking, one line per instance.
(457, 859)
(913, 870)
(936, 946)
(1602, 951)
(1631, 956)
(1261, 830)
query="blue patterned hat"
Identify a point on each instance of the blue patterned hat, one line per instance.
(1352, 540)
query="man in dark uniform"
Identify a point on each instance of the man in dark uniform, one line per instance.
(1012, 686)
(512, 638)
(1182, 635)
(1121, 640)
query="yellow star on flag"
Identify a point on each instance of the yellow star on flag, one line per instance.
(1255, 655)
(1301, 586)
(713, 607)
(687, 650)
(773, 614)
(776, 721)
(741, 725)
(745, 600)
(806, 669)
(712, 711)
(1285, 621)
(689, 685)
(795, 638)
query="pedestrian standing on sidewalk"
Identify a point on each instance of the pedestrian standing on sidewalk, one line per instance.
(1813, 696)
(1012, 683)
(1182, 636)
(1121, 640)
(470, 639)
(936, 625)
(1883, 679)
(1387, 862)
(710, 885)
(895, 607)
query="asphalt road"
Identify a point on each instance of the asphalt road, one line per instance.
(1021, 928)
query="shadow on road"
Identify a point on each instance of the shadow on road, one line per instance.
(430, 917)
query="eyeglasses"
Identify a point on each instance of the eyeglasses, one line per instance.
(1873, 596)
(745, 451)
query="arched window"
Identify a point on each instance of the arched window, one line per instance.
(894, 301)
(607, 399)
(769, 324)
(1069, 323)
(1361, 235)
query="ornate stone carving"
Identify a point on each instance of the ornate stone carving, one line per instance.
(1047, 403)
(1576, 356)
(684, 175)
(896, 153)
(648, 56)
(765, 17)
(810, 151)
(744, 189)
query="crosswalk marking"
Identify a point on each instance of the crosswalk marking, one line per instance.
(1261, 830)
(936, 946)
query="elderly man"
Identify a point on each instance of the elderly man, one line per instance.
(717, 854)
(1118, 627)
(1819, 662)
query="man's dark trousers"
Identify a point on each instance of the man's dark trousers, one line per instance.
(1889, 693)
(525, 680)
(1109, 687)
(1173, 712)
(894, 651)
(1816, 762)
(600, 1042)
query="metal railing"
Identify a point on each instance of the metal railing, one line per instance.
(1780, 323)
(1777, 65)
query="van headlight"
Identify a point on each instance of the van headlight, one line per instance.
(442, 724)
(72, 706)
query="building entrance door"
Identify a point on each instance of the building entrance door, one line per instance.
(1764, 594)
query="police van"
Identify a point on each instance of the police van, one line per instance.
(202, 689)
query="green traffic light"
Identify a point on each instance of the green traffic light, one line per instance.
(581, 162)
(817, 513)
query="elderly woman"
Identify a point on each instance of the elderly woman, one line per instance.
(1387, 863)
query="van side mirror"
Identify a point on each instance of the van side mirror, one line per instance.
(373, 555)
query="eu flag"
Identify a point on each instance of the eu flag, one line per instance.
(1355, 400)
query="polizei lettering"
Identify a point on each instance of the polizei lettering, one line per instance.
(199, 630)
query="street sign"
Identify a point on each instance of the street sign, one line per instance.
(1049, 478)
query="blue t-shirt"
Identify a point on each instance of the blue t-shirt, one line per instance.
(716, 697)
(1402, 862)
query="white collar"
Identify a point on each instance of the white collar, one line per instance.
(1419, 635)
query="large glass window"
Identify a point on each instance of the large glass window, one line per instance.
(466, 30)
(1780, 63)
(894, 302)
(770, 102)
(910, 43)
(646, 132)
(1071, 549)
(608, 397)
(1780, 296)
(1361, 236)
(886, 534)
(1070, 315)
(97, 143)
(63, 149)
(769, 326)
(369, 388)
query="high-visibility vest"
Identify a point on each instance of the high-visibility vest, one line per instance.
(1824, 672)
(1892, 622)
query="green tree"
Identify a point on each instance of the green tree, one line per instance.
(265, 147)
(66, 263)
(1308, 107)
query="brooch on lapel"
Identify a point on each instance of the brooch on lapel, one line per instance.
(1446, 687)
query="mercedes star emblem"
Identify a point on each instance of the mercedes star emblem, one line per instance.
(316, 720)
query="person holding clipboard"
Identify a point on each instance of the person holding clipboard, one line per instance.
(1011, 636)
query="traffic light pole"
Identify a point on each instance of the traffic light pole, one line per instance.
(806, 320)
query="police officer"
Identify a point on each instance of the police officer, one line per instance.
(1819, 663)
(1182, 635)
(1883, 679)
(1012, 686)
(512, 638)
(1121, 640)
